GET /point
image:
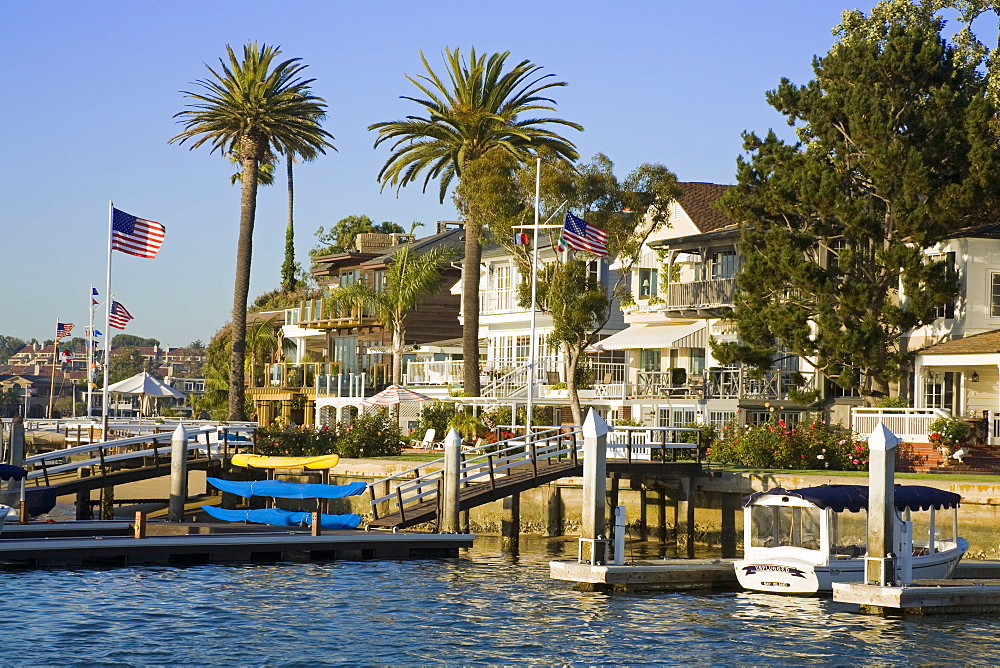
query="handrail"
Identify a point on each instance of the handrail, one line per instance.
(485, 464)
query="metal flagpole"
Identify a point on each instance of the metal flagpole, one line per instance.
(532, 344)
(107, 330)
(90, 353)
(52, 383)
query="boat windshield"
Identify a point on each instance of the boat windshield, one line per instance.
(784, 526)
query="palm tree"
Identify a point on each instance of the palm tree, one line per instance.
(475, 110)
(252, 107)
(288, 280)
(410, 278)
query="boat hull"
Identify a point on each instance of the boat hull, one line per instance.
(793, 577)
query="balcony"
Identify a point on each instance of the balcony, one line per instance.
(320, 379)
(699, 298)
(498, 301)
(319, 314)
(442, 372)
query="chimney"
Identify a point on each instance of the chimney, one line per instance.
(445, 225)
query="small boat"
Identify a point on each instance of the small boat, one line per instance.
(265, 462)
(801, 541)
(279, 489)
(4, 511)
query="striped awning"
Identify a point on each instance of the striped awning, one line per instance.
(638, 337)
(394, 394)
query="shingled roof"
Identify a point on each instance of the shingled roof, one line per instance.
(697, 198)
(986, 343)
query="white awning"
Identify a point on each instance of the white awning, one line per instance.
(638, 337)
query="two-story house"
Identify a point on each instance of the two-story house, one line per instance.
(335, 357)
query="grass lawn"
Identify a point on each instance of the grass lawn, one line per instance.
(858, 474)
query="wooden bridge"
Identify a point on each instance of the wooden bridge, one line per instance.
(492, 472)
(99, 465)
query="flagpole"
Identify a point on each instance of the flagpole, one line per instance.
(55, 355)
(107, 330)
(533, 344)
(90, 352)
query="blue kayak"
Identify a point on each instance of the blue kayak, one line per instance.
(278, 517)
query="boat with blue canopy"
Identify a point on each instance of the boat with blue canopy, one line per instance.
(801, 541)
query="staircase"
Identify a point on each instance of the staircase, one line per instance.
(924, 458)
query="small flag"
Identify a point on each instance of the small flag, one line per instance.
(135, 236)
(520, 238)
(67, 355)
(578, 234)
(63, 329)
(119, 315)
(97, 333)
(93, 294)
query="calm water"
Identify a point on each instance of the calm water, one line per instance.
(484, 608)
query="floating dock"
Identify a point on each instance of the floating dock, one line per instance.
(669, 574)
(113, 544)
(922, 597)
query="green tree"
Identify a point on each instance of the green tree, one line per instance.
(340, 237)
(410, 278)
(122, 340)
(629, 210)
(251, 107)
(895, 151)
(475, 109)
(8, 346)
(126, 362)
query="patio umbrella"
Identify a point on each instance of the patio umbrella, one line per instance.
(145, 385)
(394, 394)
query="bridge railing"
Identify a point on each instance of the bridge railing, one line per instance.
(638, 443)
(481, 464)
(44, 465)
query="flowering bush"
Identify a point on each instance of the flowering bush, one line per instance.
(294, 441)
(949, 432)
(371, 434)
(809, 445)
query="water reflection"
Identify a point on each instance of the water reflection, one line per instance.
(485, 607)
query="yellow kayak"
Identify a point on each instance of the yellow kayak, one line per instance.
(264, 462)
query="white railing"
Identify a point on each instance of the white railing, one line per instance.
(499, 301)
(433, 372)
(909, 424)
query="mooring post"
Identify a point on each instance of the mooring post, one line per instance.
(595, 474)
(619, 552)
(510, 522)
(140, 524)
(15, 453)
(452, 481)
(880, 566)
(554, 506)
(178, 474)
(317, 524)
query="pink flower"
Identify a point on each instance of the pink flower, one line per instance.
(855, 462)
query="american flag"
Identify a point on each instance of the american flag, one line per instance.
(119, 316)
(578, 234)
(135, 236)
(63, 329)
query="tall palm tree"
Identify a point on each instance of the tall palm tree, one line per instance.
(409, 279)
(288, 280)
(252, 107)
(477, 108)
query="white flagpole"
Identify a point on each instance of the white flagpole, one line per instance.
(90, 351)
(532, 344)
(107, 330)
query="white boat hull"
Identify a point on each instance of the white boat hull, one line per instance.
(789, 576)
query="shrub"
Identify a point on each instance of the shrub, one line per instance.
(371, 434)
(810, 445)
(949, 432)
(294, 441)
(436, 416)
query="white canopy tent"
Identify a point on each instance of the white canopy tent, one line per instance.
(146, 386)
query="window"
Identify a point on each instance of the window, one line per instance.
(650, 360)
(501, 277)
(939, 391)
(995, 295)
(720, 418)
(697, 360)
(523, 347)
(723, 264)
(947, 310)
(647, 283)
(675, 418)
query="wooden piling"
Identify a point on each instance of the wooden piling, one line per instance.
(510, 522)
(140, 524)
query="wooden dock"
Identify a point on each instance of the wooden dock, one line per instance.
(922, 597)
(669, 574)
(102, 545)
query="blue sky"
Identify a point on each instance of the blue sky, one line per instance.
(91, 88)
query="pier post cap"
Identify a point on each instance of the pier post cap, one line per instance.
(180, 433)
(594, 426)
(453, 438)
(882, 438)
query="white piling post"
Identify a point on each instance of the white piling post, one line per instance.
(880, 568)
(595, 474)
(452, 481)
(178, 474)
(619, 536)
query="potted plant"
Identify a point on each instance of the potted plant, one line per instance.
(947, 434)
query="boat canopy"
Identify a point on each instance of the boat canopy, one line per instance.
(855, 497)
(16, 472)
